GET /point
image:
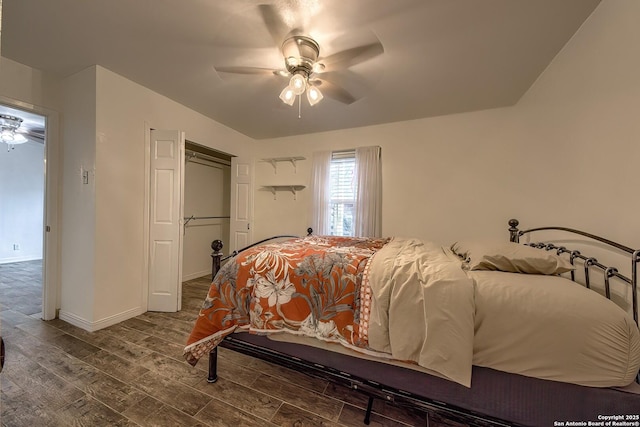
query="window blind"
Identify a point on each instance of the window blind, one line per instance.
(343, 193)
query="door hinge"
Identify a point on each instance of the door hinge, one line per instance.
(47, 228)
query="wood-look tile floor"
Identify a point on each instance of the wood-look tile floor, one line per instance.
(133, 374)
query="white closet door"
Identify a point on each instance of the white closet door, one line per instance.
(241, 202)
(166, 220)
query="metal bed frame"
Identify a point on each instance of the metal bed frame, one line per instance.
(442, 396)
(588, 262)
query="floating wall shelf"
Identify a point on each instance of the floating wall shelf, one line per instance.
(275, 188)
(274, 162)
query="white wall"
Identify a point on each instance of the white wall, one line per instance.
(21, 202)
(28, 85)
(442, 177)
(579, 126)
(465, 175)
(78, 246)
(285, 213)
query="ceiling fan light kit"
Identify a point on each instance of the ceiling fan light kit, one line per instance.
(301, 54)
(8, 127)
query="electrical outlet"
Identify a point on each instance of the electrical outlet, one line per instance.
(16, 247)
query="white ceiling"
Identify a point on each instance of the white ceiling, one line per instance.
(440, 56)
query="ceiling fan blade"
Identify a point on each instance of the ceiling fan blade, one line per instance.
(247, 70)
(274, 22)
(36, 135)
(32, 136)
(349, 57)
(334, 91)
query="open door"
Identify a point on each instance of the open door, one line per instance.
(241, 202)
(166, 220)
(38, 235)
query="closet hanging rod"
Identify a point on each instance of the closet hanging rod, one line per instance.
(193, 218)
(190, 155)
(207, 217)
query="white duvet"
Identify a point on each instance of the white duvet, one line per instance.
(428, 311)
(422, 308)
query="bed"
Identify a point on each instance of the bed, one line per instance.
(493, 333)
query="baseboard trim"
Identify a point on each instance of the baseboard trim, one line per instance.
(20, 259)
(87, 325)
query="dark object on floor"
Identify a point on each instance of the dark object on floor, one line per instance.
(1, 353)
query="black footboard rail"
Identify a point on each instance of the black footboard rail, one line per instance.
(216, 246)
(589, 262)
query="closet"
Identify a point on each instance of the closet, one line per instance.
(207, 187)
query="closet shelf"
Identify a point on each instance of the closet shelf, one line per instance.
(275, 188)
(274, 162)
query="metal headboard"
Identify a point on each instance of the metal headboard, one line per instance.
(589, 262)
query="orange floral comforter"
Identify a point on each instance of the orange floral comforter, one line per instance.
(316, 286)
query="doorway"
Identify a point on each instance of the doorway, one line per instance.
(207, 206)
(23, 213)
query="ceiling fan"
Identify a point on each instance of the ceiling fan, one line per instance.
(306, 69)
(13, 133)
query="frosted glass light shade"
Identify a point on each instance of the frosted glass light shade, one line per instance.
(7, 135)
(314, 95)
(298, 83)
(19, 139)
(10, 137)
(287, 95)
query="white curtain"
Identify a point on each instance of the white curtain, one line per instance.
(321, 194)
(368, 215)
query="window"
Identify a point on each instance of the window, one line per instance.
(347, 192)
(342, 193)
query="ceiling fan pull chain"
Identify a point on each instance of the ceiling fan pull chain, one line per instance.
(299, 106)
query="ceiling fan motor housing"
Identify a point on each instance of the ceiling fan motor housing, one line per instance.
(300, 53)
(11, 122)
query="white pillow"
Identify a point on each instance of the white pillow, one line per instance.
(510, 257)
